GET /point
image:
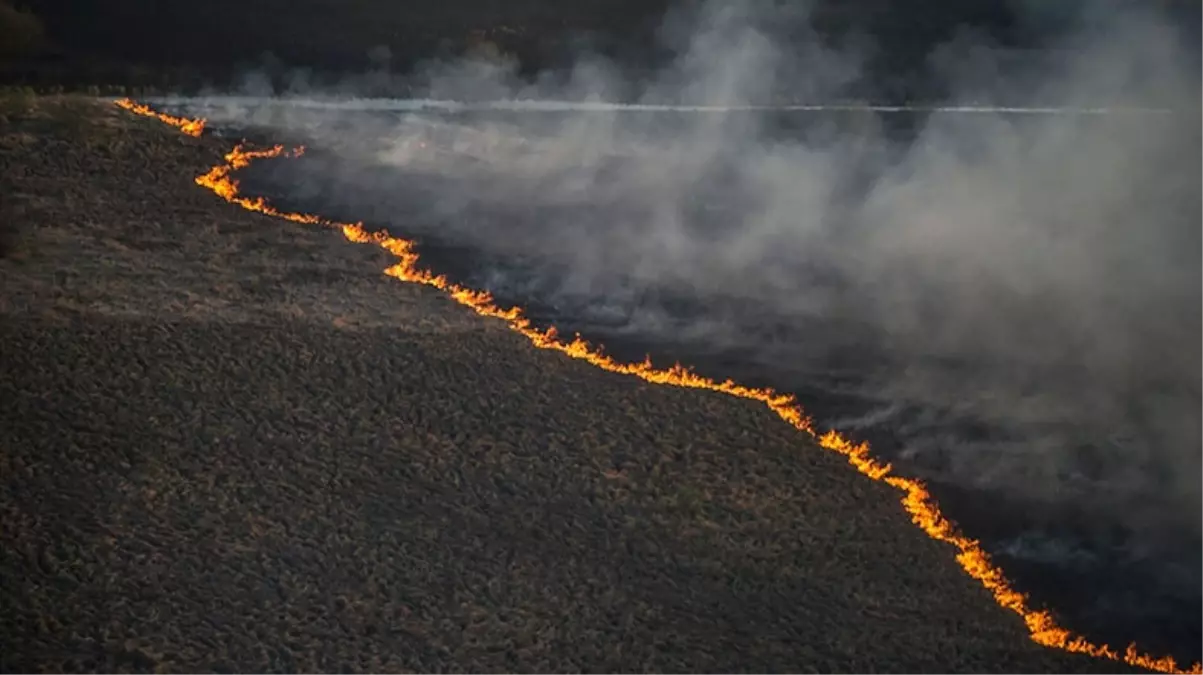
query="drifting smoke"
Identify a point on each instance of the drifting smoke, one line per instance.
(1033, 272)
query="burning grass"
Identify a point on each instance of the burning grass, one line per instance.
(229, 447)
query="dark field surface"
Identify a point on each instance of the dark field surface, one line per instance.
(226, 443)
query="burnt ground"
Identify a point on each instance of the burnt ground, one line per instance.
(228, 443)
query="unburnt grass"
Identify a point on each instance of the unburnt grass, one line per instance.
(228, 443)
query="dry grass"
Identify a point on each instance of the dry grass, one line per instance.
(226, 443)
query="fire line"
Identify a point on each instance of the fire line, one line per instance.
(915, 498)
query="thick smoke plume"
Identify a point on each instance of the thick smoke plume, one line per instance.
(1034, 272)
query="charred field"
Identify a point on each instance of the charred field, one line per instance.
(229, 444)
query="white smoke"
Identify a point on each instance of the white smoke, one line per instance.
(1031, 256)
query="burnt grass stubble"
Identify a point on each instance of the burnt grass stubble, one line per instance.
(228, 444)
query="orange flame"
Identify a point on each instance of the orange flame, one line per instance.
(190, 127)
(916, 499)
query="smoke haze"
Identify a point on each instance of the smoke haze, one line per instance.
(1033, 274)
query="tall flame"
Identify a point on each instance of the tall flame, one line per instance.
(915, 498)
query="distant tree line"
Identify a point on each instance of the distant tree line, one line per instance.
(155, 44)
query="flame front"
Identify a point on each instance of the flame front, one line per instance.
(916, 499)
(188, 126)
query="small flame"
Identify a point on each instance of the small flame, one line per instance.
(188, 126)
(916, 499)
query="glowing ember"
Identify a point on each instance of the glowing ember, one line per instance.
(917, 501)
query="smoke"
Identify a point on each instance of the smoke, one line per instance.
(1033, 273)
